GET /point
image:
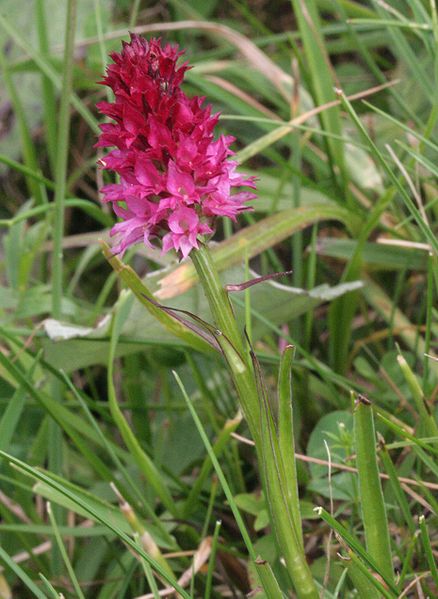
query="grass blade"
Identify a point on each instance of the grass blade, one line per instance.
(27, 145)
(143, 461)
(321, 77)
(47, 87)
(286, 440)
(396, 487)
(357, 548)
(62, 550)
(370, 490)
(360, 580)
(427, 419)
(21, 574)
(219, 446)
(211, 561)
(425, 229)
(375, 584)
(88, 509)
(428, 549)
(48, 70)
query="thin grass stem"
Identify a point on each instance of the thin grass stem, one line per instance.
(61, 547)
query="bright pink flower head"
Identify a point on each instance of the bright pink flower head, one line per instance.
(175, 178)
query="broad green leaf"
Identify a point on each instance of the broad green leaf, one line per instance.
(71, 347)
(375, 255)
(253, 240)
(334, 429)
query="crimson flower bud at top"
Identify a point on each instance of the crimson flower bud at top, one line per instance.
(175, 177)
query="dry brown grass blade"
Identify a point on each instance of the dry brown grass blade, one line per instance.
(337, 466)
(24, 556)
(236, 91)
(200, 557)
(418, 498)
(44, 547)
(255, 57)
(405, 243)
(273, 136)
(14, 508)
(412, 584)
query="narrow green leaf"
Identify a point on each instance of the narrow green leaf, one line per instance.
(428, 548)
(375, 584)
(212, 560)
(357, 548)
(47, 87)
(396, 487)
(27, 145)
(49, 586)
(219, 446)
(141, 292)
(27, 171)
(425, 229)
(361, 583)
(321, 76)
(143, 461)
(370, 490)
(427, 418)
(48, 70)
(11, 416)
(286, 440)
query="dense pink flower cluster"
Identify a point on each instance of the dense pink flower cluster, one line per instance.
(175, 178)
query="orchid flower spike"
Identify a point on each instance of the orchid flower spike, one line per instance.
(175, 178)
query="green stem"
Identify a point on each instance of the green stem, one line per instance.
(256, 410)
(212, 560)
(230, 338)
(61, 158)
(219, 446)
(47, 87)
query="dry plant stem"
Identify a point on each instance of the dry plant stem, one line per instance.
(238, 359)
(343, 467)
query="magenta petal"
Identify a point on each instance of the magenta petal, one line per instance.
(182, 220)
(167, 243)
(178, 183)
(147, 174)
